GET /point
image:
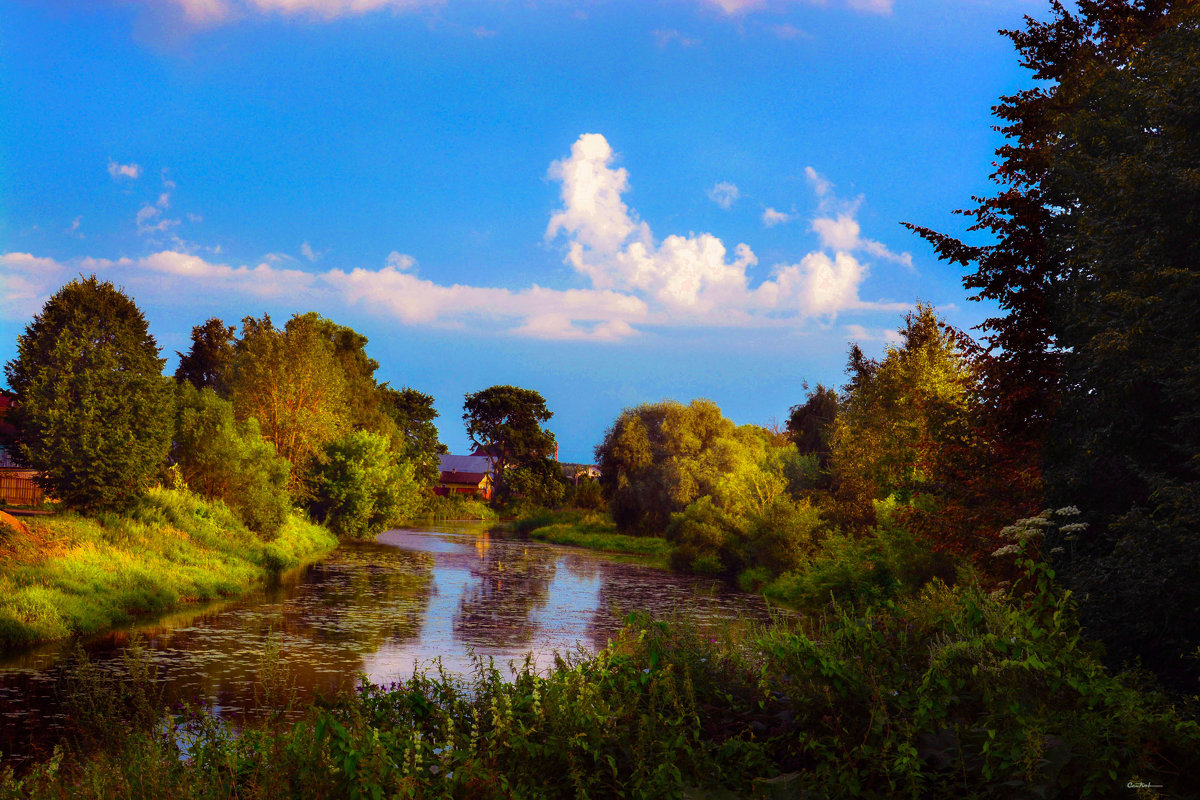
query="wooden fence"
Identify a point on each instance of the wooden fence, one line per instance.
(18, 489)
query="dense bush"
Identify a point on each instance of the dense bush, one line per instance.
(360, 489)
(223, 459)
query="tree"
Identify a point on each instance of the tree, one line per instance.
(94, 410)
(206, 363)
(658, 458)
(227, 460)
(291, 382)
(418, 442)
(810, 423)
(1094, 265)
(1124, 178)
(359, 487)
(506, 423)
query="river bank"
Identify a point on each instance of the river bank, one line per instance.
(66, 574)
(592, 531)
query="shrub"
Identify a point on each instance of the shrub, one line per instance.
(223, 459)
(360, 489)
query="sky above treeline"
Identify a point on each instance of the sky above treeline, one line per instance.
(609, 201)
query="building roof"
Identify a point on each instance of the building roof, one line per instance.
(472, 478)
(469, 464)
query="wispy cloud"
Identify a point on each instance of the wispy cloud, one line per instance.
(771, 217)
(664, 37)
(724, 194)
(118, 171)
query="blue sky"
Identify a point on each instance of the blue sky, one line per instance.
(610, 202)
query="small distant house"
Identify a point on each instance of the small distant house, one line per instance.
(580, 472)
(465, 475)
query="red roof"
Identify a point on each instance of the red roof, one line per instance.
(473, 478)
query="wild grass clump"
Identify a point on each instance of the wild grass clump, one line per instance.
(951, 693)
(93, 573)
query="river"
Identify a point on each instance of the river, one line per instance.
(451, 591)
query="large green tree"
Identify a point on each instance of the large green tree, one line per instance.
(1124, 179)
(658, 458)
(292, 382)
(413, 414)
(506, 422)
(94, 409)
(360, 488)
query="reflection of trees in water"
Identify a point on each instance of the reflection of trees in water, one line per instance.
(584, 567)
(513, 580)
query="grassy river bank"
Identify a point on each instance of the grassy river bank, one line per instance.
(66, 574)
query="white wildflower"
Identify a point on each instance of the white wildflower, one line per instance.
(1007, 550)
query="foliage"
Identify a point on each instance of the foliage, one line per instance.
(453, 506)
(657, 459)
(855, 571)
(810, 424)
(537, 482)
(360, 489)
(1094, 268)
(206, 363)
(223, 459)
(917, 427)
(171, 548)
(94, 410)
(291, 381)
(506, 423)
(585, 493)
(413, 414)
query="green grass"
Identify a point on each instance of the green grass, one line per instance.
(79, 575)
(950, 693)
(591, 530)
(454, 506)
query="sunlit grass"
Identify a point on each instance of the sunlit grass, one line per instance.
(592, 530)
(172, 548)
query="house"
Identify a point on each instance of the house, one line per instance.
(465, 475)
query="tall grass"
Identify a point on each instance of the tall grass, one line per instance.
(90, 574)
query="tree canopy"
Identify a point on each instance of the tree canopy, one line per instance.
(94, 409)
(1094, 266)
(506, 423)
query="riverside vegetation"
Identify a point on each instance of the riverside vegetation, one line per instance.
(949, 693)
(993, 545)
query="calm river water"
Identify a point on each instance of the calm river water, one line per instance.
(379, 608)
